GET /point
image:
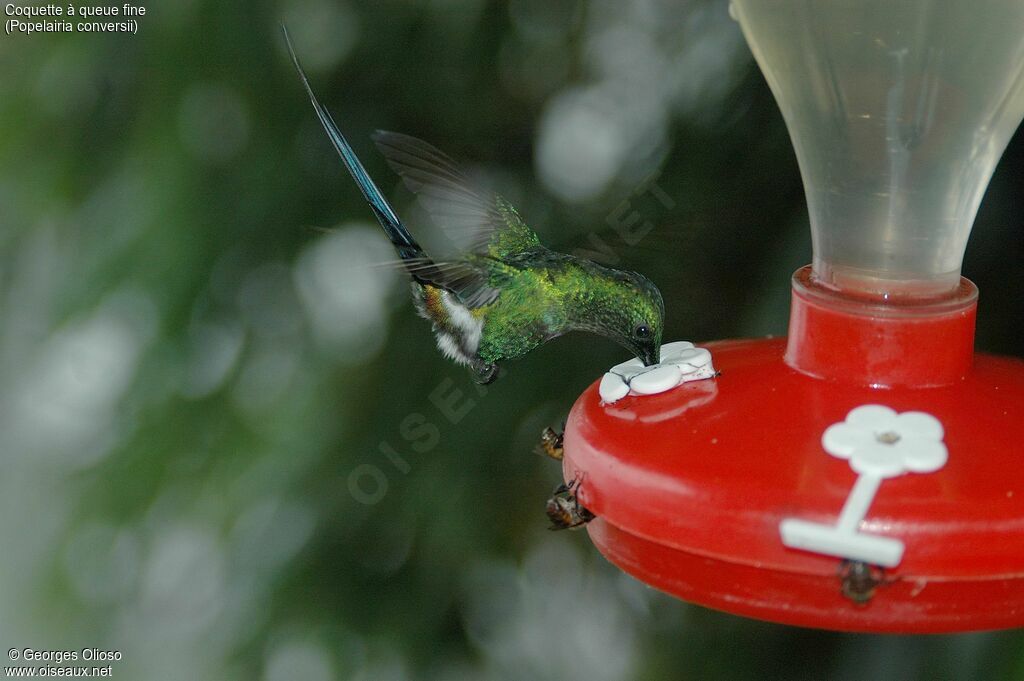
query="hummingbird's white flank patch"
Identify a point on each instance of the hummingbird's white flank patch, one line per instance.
(879, 444)
(467, 326)
(458, 333)
(680, 362)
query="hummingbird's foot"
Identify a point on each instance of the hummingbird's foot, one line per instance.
(550, 443)
(484, 373)
(564, 509)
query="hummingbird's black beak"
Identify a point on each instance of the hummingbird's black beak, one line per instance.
(650, 355)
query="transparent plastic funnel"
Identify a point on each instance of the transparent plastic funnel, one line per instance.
(899, 111)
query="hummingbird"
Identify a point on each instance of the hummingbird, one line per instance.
(505, 294)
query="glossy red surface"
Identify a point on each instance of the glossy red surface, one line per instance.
(903, 605)
(881, 344)
(690, 487)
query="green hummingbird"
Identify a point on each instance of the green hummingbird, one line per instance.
(506, 294)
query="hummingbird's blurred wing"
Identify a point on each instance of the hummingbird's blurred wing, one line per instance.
(479, 223)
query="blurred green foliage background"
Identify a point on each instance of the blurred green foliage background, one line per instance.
(198, 365)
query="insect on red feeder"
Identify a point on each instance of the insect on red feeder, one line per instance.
(867, 472)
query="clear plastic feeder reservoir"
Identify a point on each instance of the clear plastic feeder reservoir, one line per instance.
(866, 473)
(899, 112)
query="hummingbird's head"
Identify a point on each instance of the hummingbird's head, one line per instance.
(636, 316)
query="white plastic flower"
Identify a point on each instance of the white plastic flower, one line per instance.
(880, 442)
(680, 362)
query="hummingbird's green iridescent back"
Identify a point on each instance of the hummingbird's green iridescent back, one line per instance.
(545, 294)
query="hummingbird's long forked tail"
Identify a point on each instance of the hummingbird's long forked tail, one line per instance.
(408, 249)
(468, 283)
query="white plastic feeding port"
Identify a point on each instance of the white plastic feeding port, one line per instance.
(879, 444)
(680, 362)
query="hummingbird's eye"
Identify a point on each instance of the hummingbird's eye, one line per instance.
(642, 331)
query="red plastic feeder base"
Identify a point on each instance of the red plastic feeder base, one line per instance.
(690, 486)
